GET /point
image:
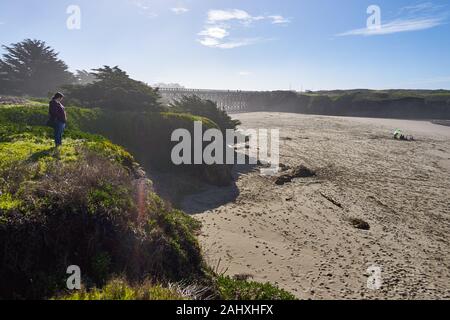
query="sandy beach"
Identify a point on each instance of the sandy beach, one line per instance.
(302, 236)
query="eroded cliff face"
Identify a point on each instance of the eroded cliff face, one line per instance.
(148, 137)
(218, 175)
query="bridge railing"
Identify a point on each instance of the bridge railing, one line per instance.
(227, 100)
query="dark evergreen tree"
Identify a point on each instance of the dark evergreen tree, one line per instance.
(205, 108)
(114, 89)
(84, 77)
(31, 67)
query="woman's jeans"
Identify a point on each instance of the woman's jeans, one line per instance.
(59, 130)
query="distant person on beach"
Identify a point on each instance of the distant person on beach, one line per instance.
(398, 134)
(57, 117)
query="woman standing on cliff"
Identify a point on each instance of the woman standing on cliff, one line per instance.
(58, 118)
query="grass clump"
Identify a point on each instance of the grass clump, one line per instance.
(8, 203)
(119, 289)
(232, 289)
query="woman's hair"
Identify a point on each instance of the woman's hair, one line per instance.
(58, 95)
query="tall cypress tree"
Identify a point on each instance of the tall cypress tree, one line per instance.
(33, 68)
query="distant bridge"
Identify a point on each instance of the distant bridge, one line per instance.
(227, 100)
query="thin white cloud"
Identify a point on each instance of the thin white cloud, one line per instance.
(419, 16)
(219, 23)
(421, 7)
(244, 73)
(214, 32)
(279, 20)
(396, 26)
(237, 43)
(142, 4)
(220, 16)
(179, 10)
(209, 42)
(146, 7)
(215, 16)
(216, 43)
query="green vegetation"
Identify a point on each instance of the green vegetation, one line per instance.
(78, 206)
(409, 104)
(120, 290)
(225, 288)
(205, 108)
(33, 68)
(386, 94)
(231, 289)
(139, 132)
(90, 205)
(113, 89)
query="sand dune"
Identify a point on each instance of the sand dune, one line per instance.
(300, 236)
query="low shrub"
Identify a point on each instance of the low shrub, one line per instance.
(120, 289)
(231, 289)
(204, 108)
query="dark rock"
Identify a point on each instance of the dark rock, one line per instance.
(359, 224)
(298, 172)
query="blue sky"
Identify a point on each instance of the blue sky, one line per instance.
(247, 44)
